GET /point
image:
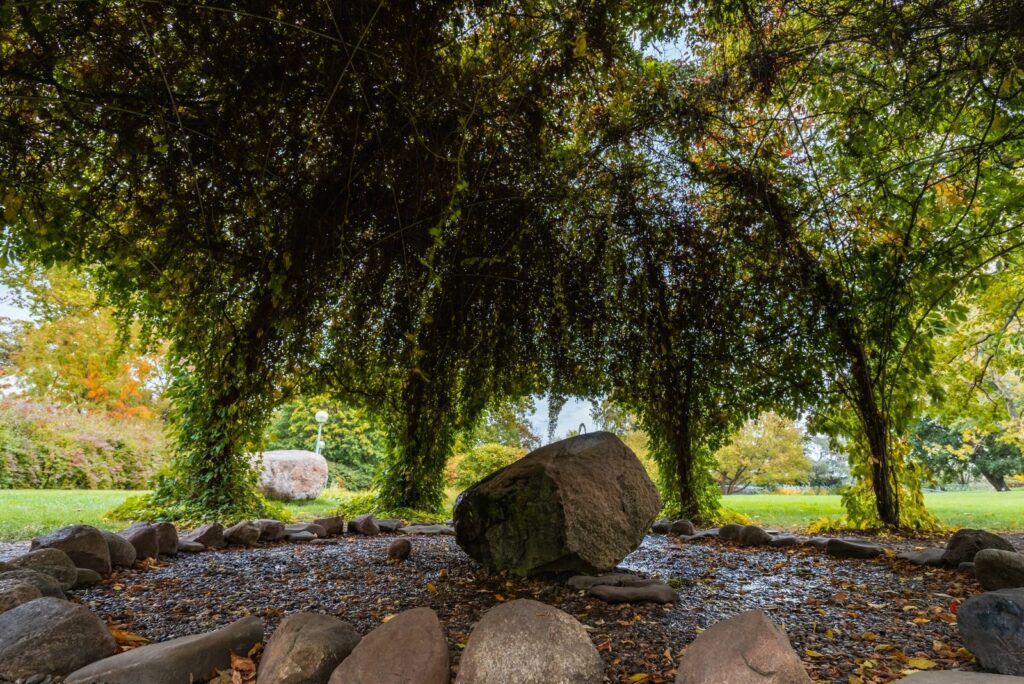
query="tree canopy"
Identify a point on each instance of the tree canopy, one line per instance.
(428, 211)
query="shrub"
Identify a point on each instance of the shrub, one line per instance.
(42, 447)
(481, 461)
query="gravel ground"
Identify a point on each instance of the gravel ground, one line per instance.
(862, 618)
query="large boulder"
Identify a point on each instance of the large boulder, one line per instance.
(243, 533)
(145, 539)
(966, 543)
(84, 545)
(305, 649)
(527, 642)
(578, 505)
(122, 552)
(292, 475)
(185, 659)
(46, 584)
(166, 538)
(51, 636)
(270, 530)
(746, 649)
(410, 648)
(210, 536)
(992, 628)
(15, 592)
(52, 562)
(998, 569)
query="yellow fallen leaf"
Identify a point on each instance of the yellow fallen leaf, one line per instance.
(813, 654)
(920, 621)
(431, 587)
(921, 663)
(869, 636)
(499, 598)
(640, 677)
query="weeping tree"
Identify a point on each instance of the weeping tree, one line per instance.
(880, 142)
(354, 196)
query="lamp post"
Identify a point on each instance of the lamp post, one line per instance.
(321, 418)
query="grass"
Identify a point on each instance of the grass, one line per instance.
(1003, 511)
(27, 513)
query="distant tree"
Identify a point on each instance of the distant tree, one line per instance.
(768, 450)
(613, 418)
(829, 468)
(74, 353)
(959, 454)
(508, 424)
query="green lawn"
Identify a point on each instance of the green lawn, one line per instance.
(26, 513)
(990, 510)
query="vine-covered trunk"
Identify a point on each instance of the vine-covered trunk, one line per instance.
(876, 429)
(419, 447)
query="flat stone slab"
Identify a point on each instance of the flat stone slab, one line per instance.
(611, 579)
(783, 540)
(186, 659)
(853, 548)
(427, 529)
(657, 592)
(190, 547)
(928, 557)
(389, 525)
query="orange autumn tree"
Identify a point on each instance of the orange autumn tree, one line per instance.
(73, 353)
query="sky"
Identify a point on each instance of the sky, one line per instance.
(574, 413)
(8, 310)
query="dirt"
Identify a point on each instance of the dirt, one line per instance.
(869, 619)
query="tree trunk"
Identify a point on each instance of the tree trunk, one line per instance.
(876, 429)
(997, 481)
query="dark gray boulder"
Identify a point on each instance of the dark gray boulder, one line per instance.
(15, 592)
(166, 538)
(527, 642)
(300, 536)
(242, 534)
(998, 569)
(363, 524)
(655, 592)
(965, 543)
(578, 505)
(305, 649)
(992, 628)
(409, 648)
(333, 525)
(746, 648)
(210, 536)
(53, 636)
(186, 659)
(122, 553)
(682, 528)
(399, 550)
(270, 530)
(145, 540)
(84, 544)
(661, 526)
(46, 584)
(752, 535)
(853, 548)
(190, 547)
(87, 578)
(730, 532)
(52, 562)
